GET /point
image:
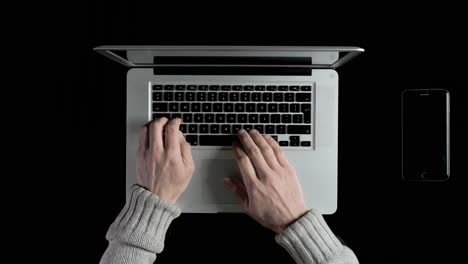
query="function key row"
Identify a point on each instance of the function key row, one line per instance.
(180, 87)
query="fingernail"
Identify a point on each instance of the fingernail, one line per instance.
(253, 131)
(241, 131)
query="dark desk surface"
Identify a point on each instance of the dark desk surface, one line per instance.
(382, 218)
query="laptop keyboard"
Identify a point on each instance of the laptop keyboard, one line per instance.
(212, 114)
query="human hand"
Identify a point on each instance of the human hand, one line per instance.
(269, 191)
(164, 165)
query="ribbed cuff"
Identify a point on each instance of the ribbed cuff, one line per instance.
(144, 221)
(310, 240)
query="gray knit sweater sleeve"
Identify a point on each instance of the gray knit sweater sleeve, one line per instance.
(137, 235)
(310, 240)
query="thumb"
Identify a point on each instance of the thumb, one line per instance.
(238, 188)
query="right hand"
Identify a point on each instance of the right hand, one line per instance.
(269, 191)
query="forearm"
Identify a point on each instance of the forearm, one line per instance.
(138, 233)
(310, 240)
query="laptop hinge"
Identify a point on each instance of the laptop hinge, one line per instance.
(278, 71)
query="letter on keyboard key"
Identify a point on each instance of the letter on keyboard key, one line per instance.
(192, 139)
(215, 140)
(298, 129)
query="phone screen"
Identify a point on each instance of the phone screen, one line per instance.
(425, 116)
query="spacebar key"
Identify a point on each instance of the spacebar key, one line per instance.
(211, 140)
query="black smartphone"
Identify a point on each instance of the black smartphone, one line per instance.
(425, 119)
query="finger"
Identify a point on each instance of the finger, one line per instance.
(279, 153)
(253, 151)
(238, 188)
(265, 148)
(186, 151)
(156, 134)
(142, 141)
(246, 168)
(172, 136)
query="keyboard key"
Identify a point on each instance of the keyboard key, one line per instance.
(198, 118)
(250, 108)
(179, 96)
(282, 88)
(261, 108)
(256, 97)
(259, 128)
(191, 87)
(271, 88)
(203, 129)
(275, 137)
(294, 88)
(184, 107)
(183, 128)
(168, 96)
(212, 96)
(217, 140)
(193, 129)
(247, 127)
(217, 107)
(214, 87)
(305, 109)
(236, 128)
(267, 97)
(242, 118)
(286, 118)
(223, 97)
(289, 97)
(298, 129)
(303, 97)
(174, 107)
(228, 107)
(237, 88)
(280, 129)
(220, 118)
(260, 88)
(180, 87)
(209, 118)
(196, 107)
(214, 129)
(234, 97)
(169, 87)
(203, 87)
(157, 96)
(269, 129)
(284, 108)
(160, 107)
(231, 118)
(190, 96)
(248, 88)
(245, 97)
(157, 87)
(201, 96)
(264, 118)
(226, 129)
(176, 115)
(240, 107)
(272, 108)
(306, 88)
(159, 115)
(206, 107)
(284, 143)
(305, 143)
(297, 118)
(192, 139)
(278, 97)
(294, 144)
(187, 118)
(226, 88)
(253, 118)
(294, 108)
(275, 118)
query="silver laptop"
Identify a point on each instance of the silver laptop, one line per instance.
(290, 93)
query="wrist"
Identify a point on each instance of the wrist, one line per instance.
(291, 220)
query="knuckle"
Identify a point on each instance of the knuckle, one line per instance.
(253, 151)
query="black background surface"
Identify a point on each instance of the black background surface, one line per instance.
(382, 218)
